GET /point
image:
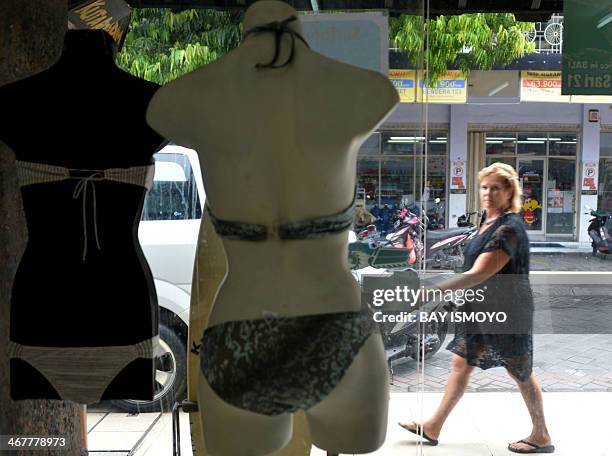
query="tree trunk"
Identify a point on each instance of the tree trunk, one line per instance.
(31, 39)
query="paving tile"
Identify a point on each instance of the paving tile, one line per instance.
(113, 441)
(581, 359)
(123, 422)
(93, 419)
(108, 453)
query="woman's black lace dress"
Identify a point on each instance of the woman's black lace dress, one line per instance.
(508, 344)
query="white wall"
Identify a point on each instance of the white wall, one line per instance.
(524, 113)
(605, 112)
(458, 144)
(589, 152)
(414, 113)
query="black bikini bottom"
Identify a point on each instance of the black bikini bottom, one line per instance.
(277, 365)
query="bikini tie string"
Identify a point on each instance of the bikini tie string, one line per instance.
(278, 27)
(80, 191)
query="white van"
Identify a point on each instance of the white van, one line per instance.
(168, 234)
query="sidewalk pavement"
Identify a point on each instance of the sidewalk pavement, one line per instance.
(482, 424)
(569, 261)
(562, 362)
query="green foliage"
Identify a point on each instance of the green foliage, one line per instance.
(479, 40)
(162, 45)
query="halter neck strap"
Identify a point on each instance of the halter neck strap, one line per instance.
(278, 27)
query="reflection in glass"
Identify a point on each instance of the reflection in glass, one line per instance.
(174, 194)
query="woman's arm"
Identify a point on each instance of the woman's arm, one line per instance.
(486, 265)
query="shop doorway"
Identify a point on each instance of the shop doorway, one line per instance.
(546, 165)
(531, 179)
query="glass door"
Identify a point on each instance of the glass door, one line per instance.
(561, 195)
(531, 178)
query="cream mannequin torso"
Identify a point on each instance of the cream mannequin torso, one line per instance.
(278, 146)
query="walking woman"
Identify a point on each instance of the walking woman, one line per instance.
(496, 260)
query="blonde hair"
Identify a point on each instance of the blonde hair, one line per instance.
(508, 175)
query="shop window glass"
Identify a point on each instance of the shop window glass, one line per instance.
(507, 160)
(437, 143)
(531, 143)
(561, 192)
(531, 178)
(604, 200)
(605, 146)
(174, 194)
(500, 143)
(397, 181)
(371, 146)
(402, 142)
(435, 188)
(368, 179)
(562, 144)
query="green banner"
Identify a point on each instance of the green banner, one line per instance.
(587, 47)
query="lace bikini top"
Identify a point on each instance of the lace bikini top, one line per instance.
(313, 228)
(31, 173)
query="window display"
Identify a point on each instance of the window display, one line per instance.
(82, 198)
(290, 202)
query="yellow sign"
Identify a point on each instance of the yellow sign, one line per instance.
(403, 80)
(539, 85)
(450, 88)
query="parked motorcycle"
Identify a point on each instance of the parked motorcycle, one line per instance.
(409, 339)
(600, 231)
(445, 247)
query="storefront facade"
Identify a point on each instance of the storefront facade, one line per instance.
(548, 143)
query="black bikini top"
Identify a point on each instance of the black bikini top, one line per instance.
(306, 229)
(278, 27)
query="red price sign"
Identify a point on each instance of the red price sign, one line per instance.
(542, 83)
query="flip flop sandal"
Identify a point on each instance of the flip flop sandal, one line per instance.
(534, 448)
(417, 431)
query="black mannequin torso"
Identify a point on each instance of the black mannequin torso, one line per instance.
(83, 113)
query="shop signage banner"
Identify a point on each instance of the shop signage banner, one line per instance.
(110, 15)
(590, 176)
(457, 184)
(587, 47)
(451, 88)
(403, 80)
(360, 39)
(539, 85)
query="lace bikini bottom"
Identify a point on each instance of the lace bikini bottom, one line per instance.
(277, 365)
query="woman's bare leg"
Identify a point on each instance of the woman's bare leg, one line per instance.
(532, 395)
(455, 387)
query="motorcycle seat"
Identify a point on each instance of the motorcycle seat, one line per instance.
(438, 235)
